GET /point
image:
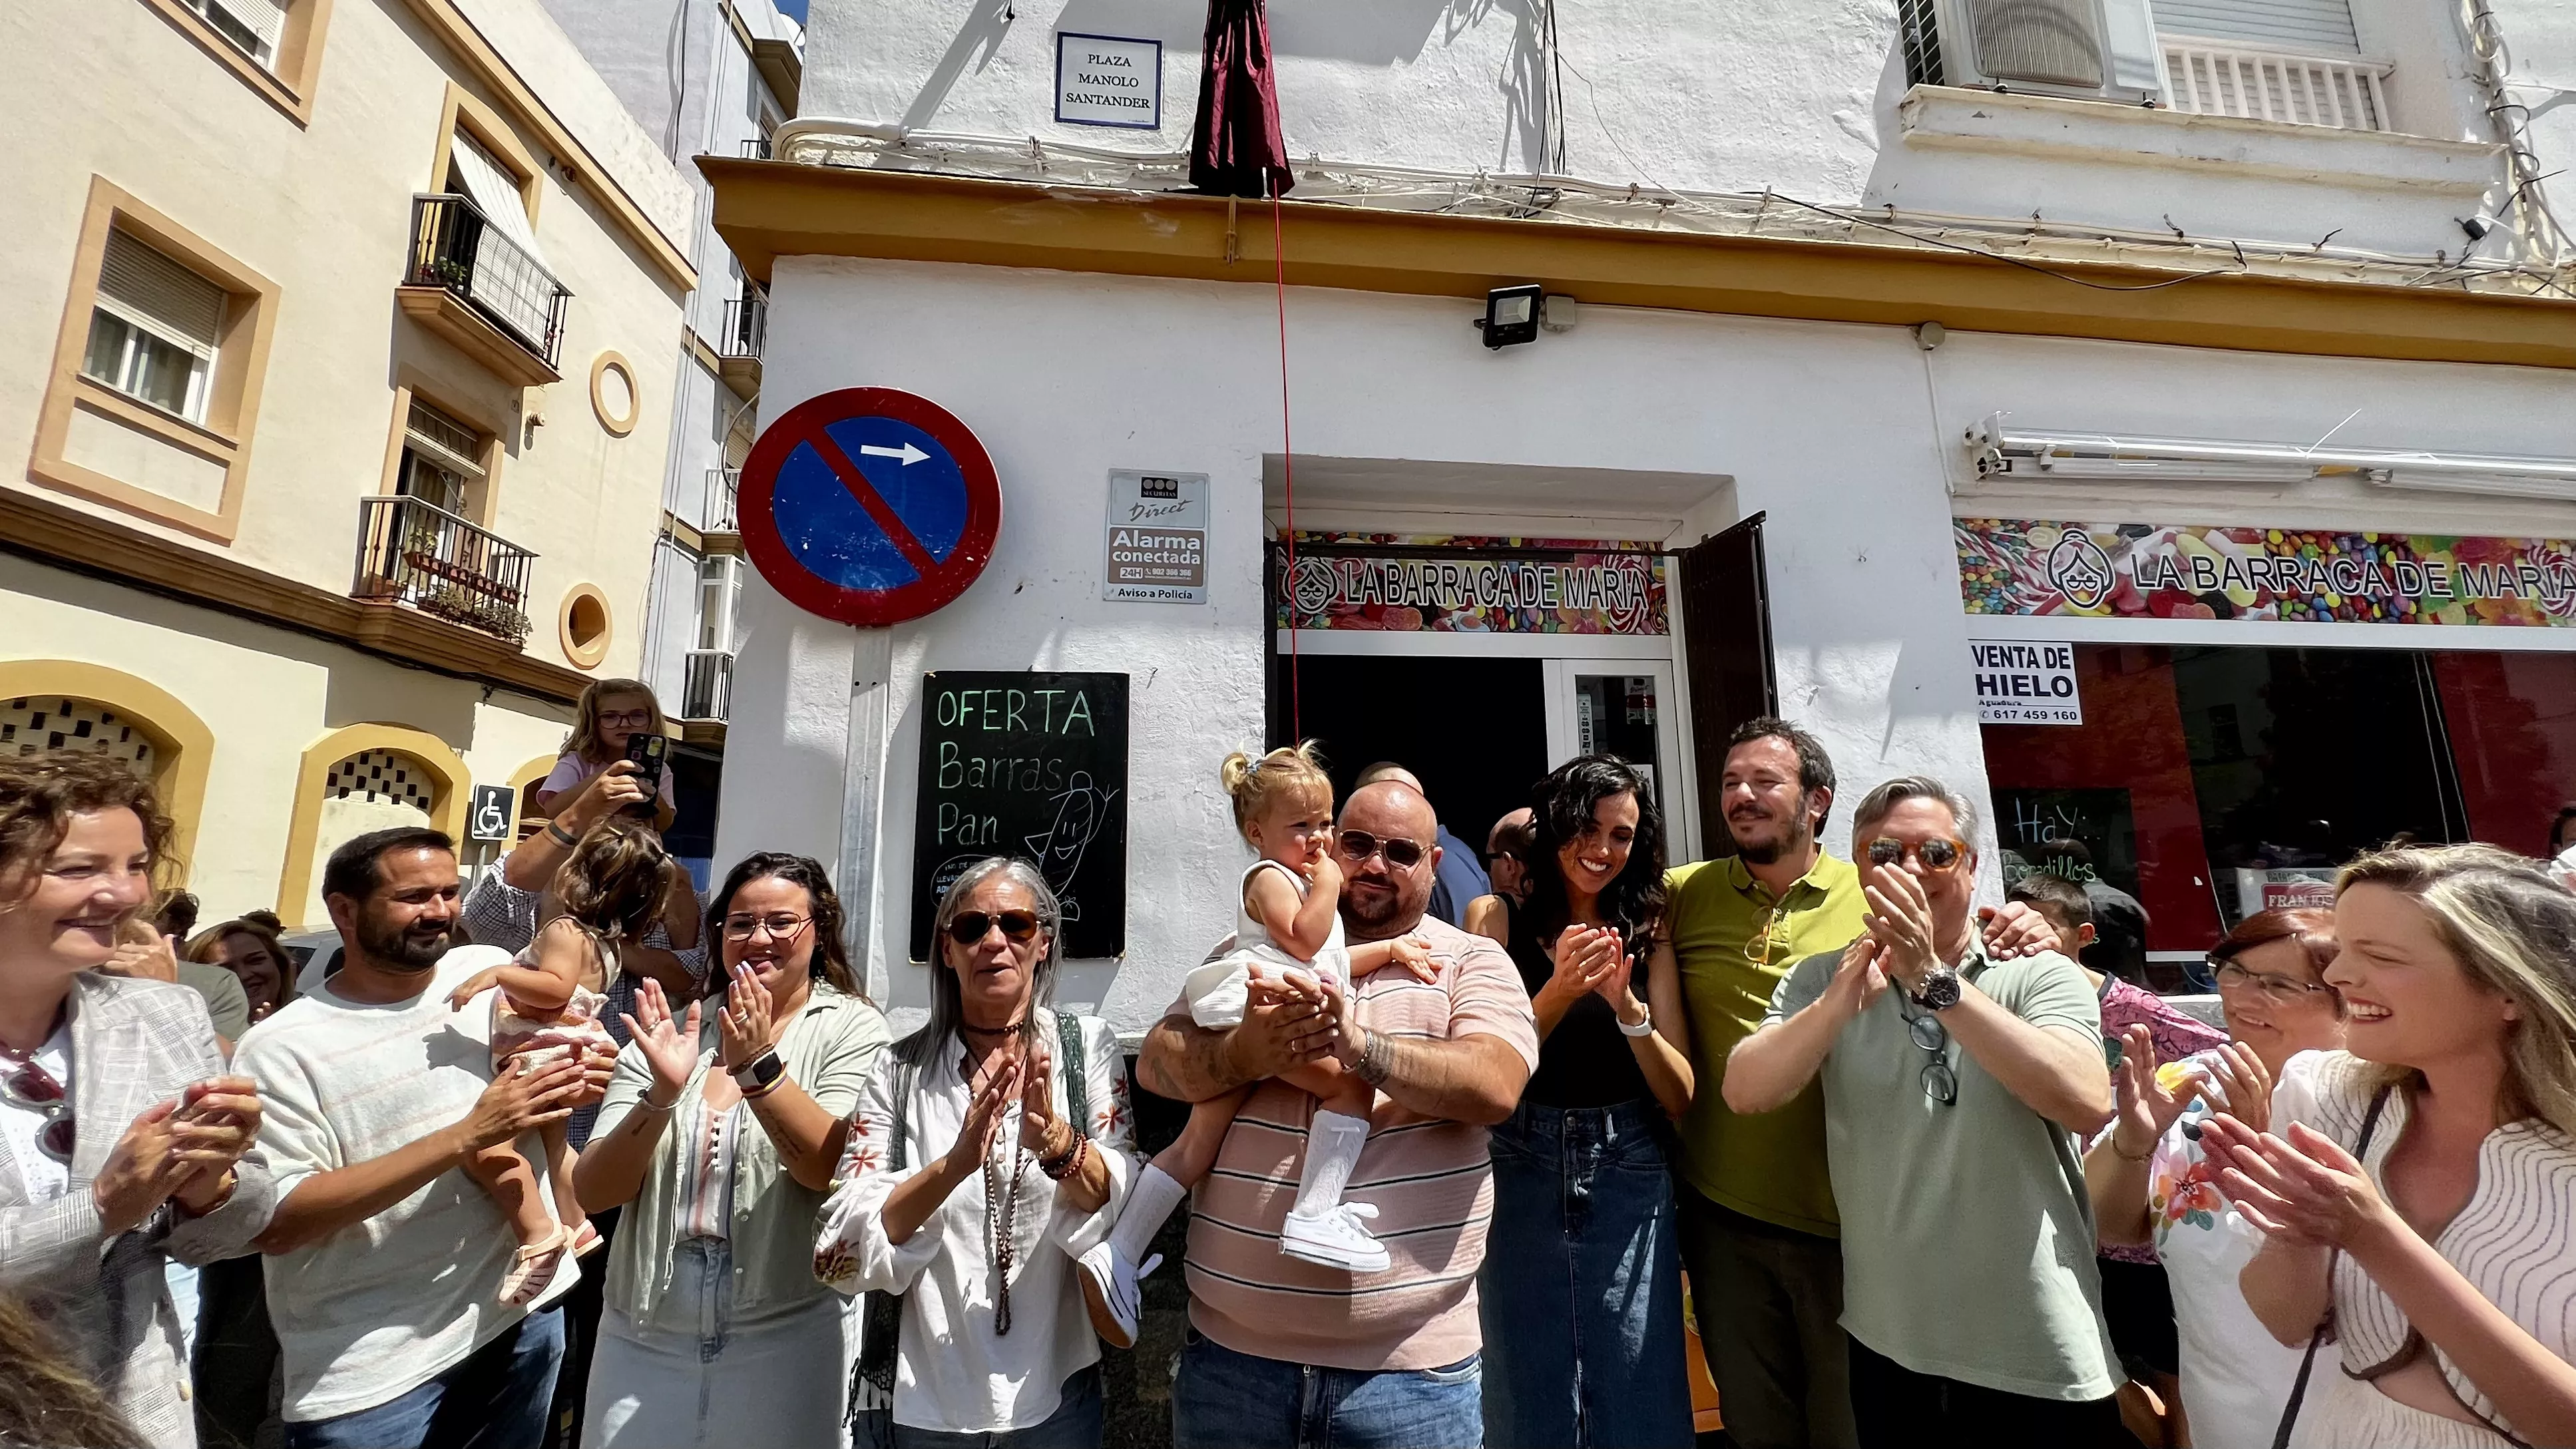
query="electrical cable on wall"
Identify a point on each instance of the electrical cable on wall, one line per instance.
(1287, 463)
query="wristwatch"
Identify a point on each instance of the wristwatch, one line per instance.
(760, 1073)
(1940, 989)
(1645, 1023)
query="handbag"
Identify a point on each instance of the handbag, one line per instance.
(2325, 1321)
(870, 1414)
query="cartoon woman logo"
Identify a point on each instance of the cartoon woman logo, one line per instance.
(1314, 587)
(2079, 569)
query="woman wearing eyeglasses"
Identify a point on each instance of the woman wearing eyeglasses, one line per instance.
(2417, 1191)
(2151, 1182)
(992, 1150)
(611, 712)
(722, 1135)
(121, 1139)
(1581, 1289)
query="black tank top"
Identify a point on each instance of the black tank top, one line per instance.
(1586, 1061)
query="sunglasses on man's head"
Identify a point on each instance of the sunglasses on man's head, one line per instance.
(1936, 854)
(969, 926)
(1359, 845)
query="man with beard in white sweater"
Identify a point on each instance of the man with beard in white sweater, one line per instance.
(385, 1257)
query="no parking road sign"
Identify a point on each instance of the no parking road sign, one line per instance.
(869, 506)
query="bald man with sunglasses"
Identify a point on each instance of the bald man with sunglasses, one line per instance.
(1395, 1355)
(1955, 1087)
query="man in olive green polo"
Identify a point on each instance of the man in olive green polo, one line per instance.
(1759, 1233)
(1758, 1229)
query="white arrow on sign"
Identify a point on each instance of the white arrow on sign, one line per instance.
(908, 453)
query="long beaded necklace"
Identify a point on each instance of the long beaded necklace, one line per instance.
(1001, 1225)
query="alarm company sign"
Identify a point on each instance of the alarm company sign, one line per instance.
(1158, 528)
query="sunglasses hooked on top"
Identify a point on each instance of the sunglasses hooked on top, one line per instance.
(1359, 845)
(1936, 854)
(968, 927)
(30, 1085)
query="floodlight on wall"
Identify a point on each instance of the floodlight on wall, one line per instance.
(1512, 314)
(2035, 453)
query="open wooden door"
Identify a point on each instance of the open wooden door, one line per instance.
(1726, 624)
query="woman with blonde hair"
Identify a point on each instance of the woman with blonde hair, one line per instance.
(254, 956)
(2418, 1190)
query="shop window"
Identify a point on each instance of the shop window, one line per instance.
(2208, 782)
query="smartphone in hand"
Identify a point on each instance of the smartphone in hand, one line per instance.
(647, 750)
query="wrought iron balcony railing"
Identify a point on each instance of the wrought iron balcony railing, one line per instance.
(455, 247)
(746, 326)
(412, 552)
(706, 684)
(755, 148)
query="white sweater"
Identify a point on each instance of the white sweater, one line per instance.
(377, 1309)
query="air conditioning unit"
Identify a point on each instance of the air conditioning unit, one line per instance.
(2095, 50)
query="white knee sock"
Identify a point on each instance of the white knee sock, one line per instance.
(1149, 1204)
(1333, 1144)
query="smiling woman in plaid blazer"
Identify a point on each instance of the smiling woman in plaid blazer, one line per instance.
(120, 1137)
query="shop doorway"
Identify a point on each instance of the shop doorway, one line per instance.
(1475, 730)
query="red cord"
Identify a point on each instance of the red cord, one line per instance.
(1287, 463)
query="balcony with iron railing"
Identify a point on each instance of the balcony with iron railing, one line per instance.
(412, 552)
(717, 513)
(468, 281)
(738, 346)
(2263, 83)
(706, 684)
(756, 148)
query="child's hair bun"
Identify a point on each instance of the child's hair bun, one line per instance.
(1254, 783)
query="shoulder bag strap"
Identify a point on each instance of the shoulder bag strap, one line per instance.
(1077, 1078)
(2308, 1361)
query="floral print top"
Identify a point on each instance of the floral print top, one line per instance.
(2176, 1034)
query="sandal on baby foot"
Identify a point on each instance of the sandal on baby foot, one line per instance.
(586, 1240)
(532, 1268)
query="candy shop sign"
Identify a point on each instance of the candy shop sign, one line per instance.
(2139, 570)
(1584, 593)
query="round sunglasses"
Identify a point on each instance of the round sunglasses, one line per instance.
(968, 927)
(30, 1085)
(1938, 1081)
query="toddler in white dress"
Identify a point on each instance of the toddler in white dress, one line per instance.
(1288, 926)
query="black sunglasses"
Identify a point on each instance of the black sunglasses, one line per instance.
(1938, 1081)
(1359, 845)
(968, 927)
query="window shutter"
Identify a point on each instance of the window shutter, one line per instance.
(443, 440)
(155, 292)
(493, 187)
(2309, 26)
(263, 18)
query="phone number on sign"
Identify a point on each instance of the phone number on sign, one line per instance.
(2028, 714)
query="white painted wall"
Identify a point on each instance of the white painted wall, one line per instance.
(1664, 93)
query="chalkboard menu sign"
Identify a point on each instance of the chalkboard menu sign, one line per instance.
(1032, 765)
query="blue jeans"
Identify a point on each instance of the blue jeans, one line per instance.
(495, 1399)
(1228, 1400)
(1581, 1291)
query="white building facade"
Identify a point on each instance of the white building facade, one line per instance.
(1845, 371)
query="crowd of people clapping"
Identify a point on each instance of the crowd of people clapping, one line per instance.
(571, 1153)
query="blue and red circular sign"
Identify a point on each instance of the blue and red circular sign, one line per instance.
(869, 506)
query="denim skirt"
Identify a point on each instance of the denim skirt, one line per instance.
(1581, 1291)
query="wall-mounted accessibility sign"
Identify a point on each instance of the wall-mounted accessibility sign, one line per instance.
(1107, 80)
(2021, 683)
(1158, 534)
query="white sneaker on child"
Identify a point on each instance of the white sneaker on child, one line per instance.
(1110, 1292)
(1334, 1238)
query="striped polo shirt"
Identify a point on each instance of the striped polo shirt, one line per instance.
(1431, 1182)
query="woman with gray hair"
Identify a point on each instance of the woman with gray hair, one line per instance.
(991, 1149)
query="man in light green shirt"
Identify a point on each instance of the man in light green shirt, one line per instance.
(1954, 1085)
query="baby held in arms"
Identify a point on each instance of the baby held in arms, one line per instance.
(1288, 926)
(546, 1009)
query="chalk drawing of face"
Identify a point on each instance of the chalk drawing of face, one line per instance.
(2080, 569)
(1081, 809)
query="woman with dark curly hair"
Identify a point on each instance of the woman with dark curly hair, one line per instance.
(1581, 1289)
